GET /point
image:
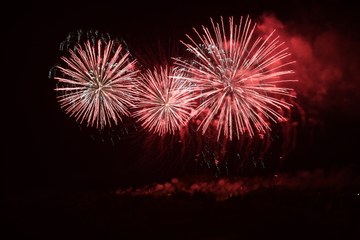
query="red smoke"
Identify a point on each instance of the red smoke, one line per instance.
(326, 66)
(225, 188)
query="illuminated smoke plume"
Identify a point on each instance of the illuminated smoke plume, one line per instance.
(222, 189)
(327, 63)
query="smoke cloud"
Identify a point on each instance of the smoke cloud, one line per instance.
(327, 66)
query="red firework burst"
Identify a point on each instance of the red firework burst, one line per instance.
(236, 75)
(164, 100)
(96, 83)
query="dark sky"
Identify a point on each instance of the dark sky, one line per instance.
(49, 150)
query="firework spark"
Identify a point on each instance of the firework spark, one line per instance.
(164, 100)
(96, 83)
(237, 75)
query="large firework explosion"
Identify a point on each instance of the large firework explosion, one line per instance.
(225, 102)
(96, 82)
(237, 76)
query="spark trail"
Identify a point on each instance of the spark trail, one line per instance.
(238, 77)
(96, 84)
(164, 100)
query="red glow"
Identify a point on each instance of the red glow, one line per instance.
(224, 188)
(326, 65)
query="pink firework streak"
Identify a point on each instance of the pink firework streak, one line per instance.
(236, 75)
(97, 85)
(164, 100)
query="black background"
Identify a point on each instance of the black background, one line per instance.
(47, 151)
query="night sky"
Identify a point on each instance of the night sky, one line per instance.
(59, 177)
(50, 150)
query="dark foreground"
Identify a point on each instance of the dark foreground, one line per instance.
(279, 211)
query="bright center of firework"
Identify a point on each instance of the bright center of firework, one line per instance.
(98, 86)
(228, 86)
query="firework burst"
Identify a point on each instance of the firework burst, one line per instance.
(96, 85)
(164, 101)
(237, 76)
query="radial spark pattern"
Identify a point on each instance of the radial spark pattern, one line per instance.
(96, 85)
(164, 100)
(237, 76)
